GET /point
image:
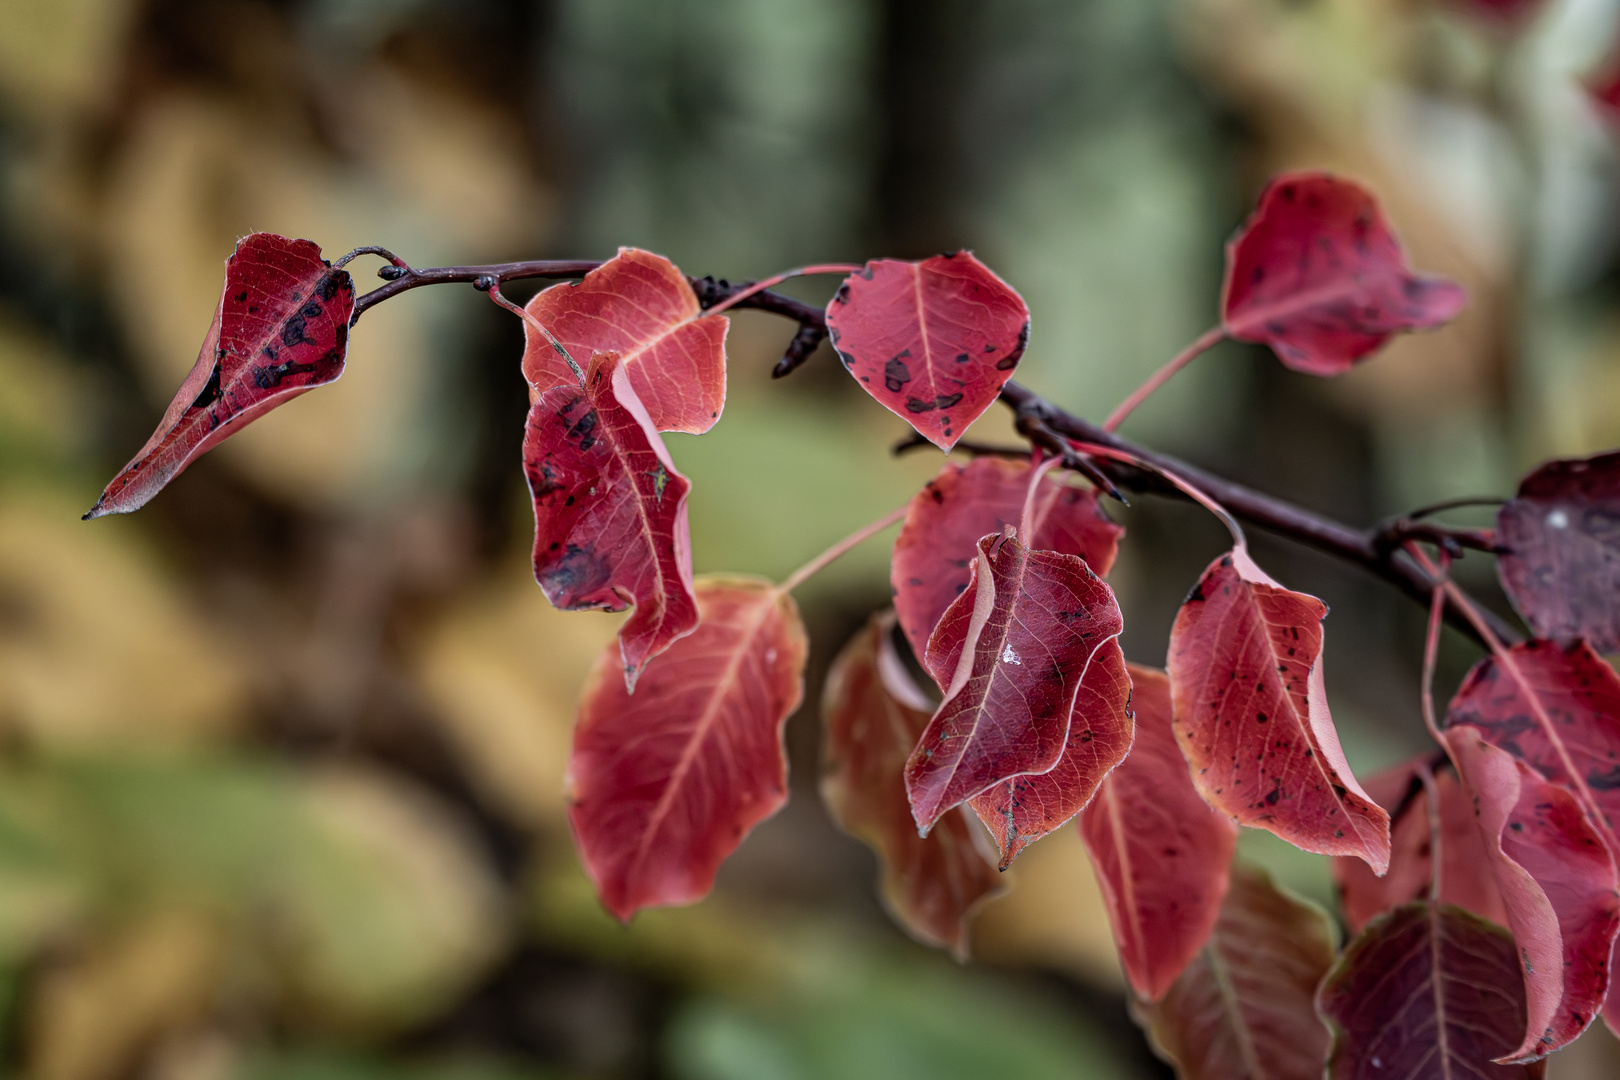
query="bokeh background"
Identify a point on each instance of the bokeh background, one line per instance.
(281, 756)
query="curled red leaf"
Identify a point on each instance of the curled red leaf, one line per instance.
(1161, 853)
(640, 306)
(933, 884)
(664, 784)
(1427, 991)
(1252, 718)
(281, 329)
(934, 553)
(1013, 651)
(933, 341)
(1317, 275)
(1561, 565)
(610, 524)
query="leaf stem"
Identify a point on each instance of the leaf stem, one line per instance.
(493, 287)
(760, 286)
(1026, 527)
(1185, 486)
(842, 547)
(1202, 344)
(1431, 793)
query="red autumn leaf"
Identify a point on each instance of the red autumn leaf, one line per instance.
(610, 527)
(1161, 853)
(1427, 991)
(665, 783)
(281, 328)
(1021, 810)
(1562, 563)
(1317, 275)
(1013, 651)
(933, 884)
(640, 306)
(1557, 881)
(933, 341)
(1465, 879)
(1243, 1008)
(1252, 718)
(943, 524)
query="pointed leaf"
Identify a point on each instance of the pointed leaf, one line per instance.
(933, 556)
(1465, 879)
(281, 329)
(1243, 1008)
(640, 306)
(1161, 853)
(1252, 718)
(1317, 275)
(1013, 651)
(664, 784)
(933, 341)
(1562, 564)
(1021, 810)
(610, 525)
(931, 885)
(1427, 992)
(1557, 880)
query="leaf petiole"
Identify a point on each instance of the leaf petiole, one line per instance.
(760, 286)
(842, 547)
(490, 284)
(1204, 342)
(1186, 487)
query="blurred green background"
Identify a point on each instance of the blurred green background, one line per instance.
(281, 757)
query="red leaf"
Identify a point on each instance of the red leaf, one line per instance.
(933, 341)
(1427, 991)
(1317, 275)
(1243, 1009)
(1557, 880)
(1465, 879)
(1160, 851)
(664, 784)
(943, 524)
(931, 885)
(281, 328)
(1021, 810)
(610, 524)
(1252, 718)
(1013, 651)
(1562, 566)
(640, 306)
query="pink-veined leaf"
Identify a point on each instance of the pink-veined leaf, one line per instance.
(1244, 1007)
(1557, 881)
(281, 329)
(1252, 718)
(1465, 879)
(934, 553)
(1317, 275)
(610, 524)
(1025, 808)
(640, 306)
(1562, 563)
(665, 783)
(1161, 853)
(1426, 992)
(931, 885)
(933, 341)
(1012, 652)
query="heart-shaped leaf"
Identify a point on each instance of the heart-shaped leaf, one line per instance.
(1562, 563)
(610, 525)
(1557, 880)
(1161, 853)
(933, 341)
(640, 306)
(1013, 651)
(281, 329)
(1252, 718)
(933, 884)
(933, 555)
(664, 784)
(1427, 991)
(1317, 275)
(1243, 1008)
